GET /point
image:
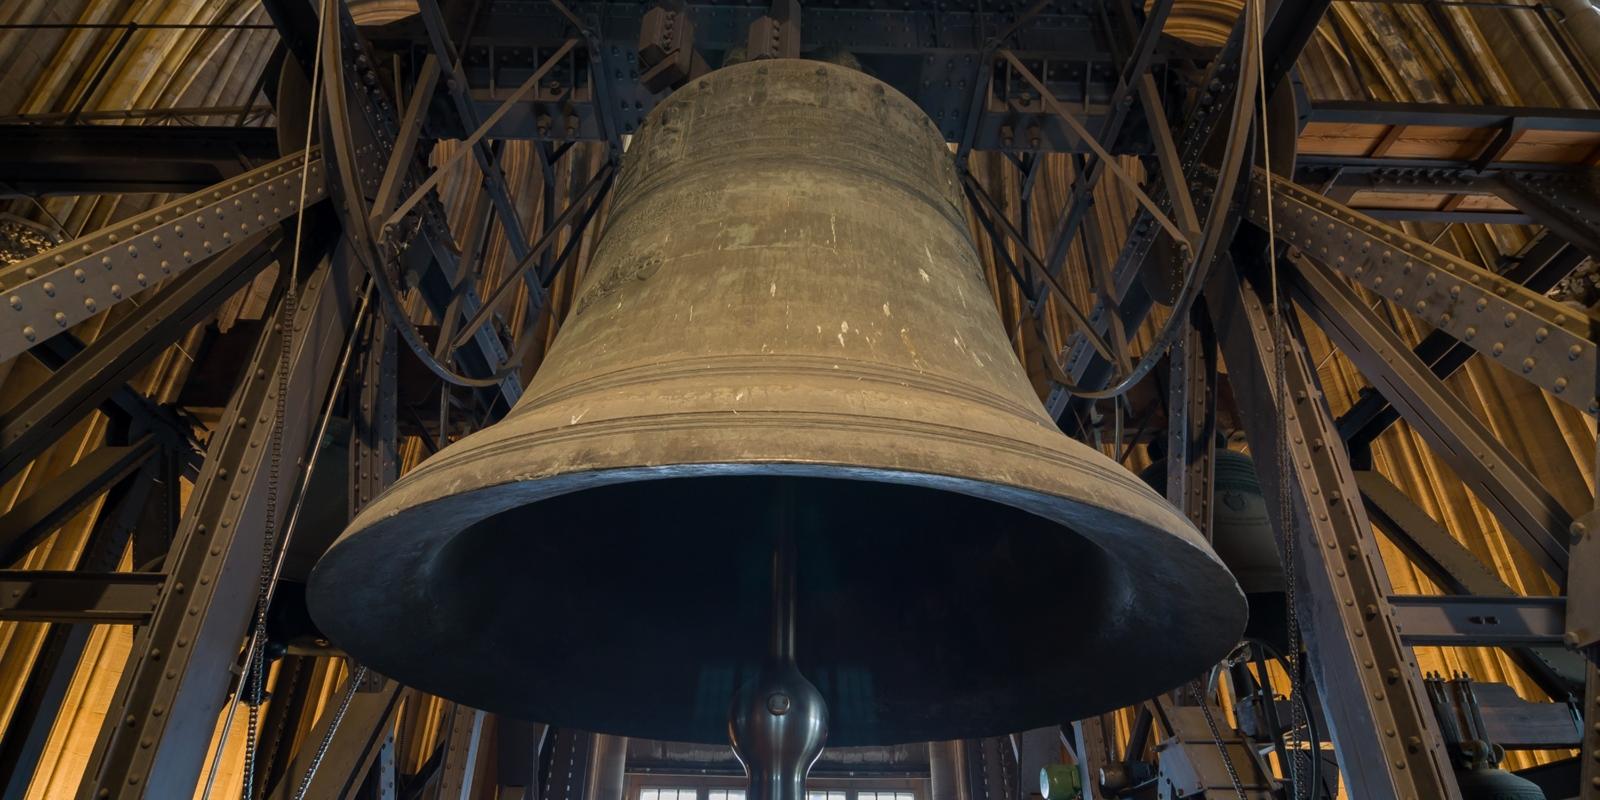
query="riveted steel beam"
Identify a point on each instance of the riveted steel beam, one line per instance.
(178, 672)
(1533, 336)
(92, 376)
(1522, 504)
(1473, 621)
(49, 293)
(1539, 266)
(1373, 696)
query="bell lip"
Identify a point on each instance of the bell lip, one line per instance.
(1211, 629)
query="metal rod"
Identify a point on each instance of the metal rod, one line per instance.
(1088, 138)
(467, 331)
(471, 141)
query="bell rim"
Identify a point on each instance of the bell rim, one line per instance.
(1143, 545)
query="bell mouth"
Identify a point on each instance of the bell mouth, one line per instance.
(635, 601)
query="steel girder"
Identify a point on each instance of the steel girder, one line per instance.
(1474, 621)
(1522, 504)
(354, 742)
(178, 672)
(1539, 266)
(1373, 698)
(338, 772)
(75, 596)
(1446, 561)
(1545, 342)
(88, 379)
(34, 517)
(47, 294)
(47, 682)
(101, 159)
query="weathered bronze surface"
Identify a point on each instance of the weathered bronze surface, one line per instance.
(786, 301)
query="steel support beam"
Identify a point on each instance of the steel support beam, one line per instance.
(86, 381)
(36, 516)
(42, 693)
(103, 159)
(1522, 504)
(1191, 421)
(461, 742)
(1373, 697)
(352, 747)
(1539, 266)
(1472, 621)
(568, 776)
(179, 670)
(67, 596)
(1567, 203)
(1543, 341)
(47, 294)
(1449, 115)
(1446, 561)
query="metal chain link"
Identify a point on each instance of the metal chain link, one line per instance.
(333, 727)
(1216, 736)
(269, 537)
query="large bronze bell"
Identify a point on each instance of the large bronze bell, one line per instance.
(785, 335)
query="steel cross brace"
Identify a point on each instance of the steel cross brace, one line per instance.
(92, 376)
(43, 692)
(1539, 266)
(1543, 341)
(1450, 564)
(68, 596)
(49, 293)
(1373, 696)
(178, 672)
(1522, 504)
(377, 133)
(35, 517)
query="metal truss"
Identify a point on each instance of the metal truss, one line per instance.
(42, 159)
(1372, 693)
(47, 294)
(178, 672)
(1529, 334)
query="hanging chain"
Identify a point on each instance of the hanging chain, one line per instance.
(1286, 522)
(327, 737)
(269, 538)
(1216, 736)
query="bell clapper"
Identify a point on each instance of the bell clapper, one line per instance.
(779, 722)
